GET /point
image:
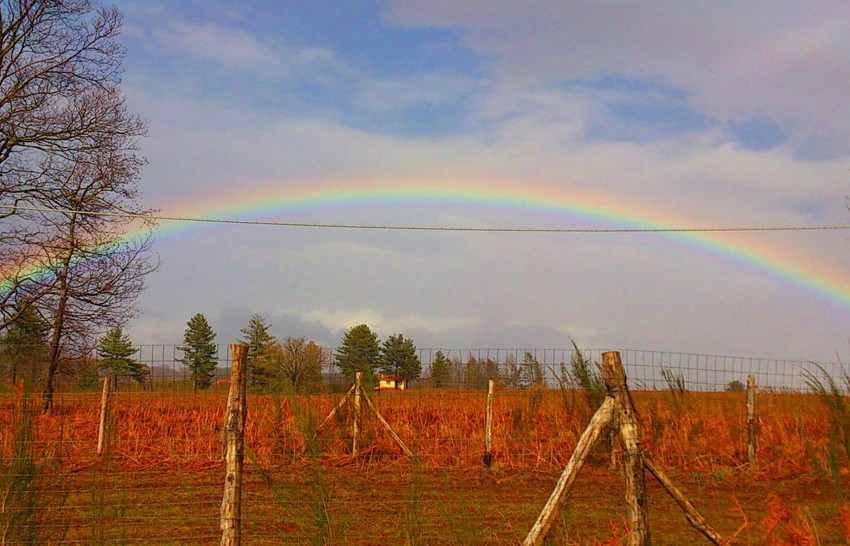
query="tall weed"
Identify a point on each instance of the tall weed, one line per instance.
(30, 502)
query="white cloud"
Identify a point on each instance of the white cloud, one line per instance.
(784, 60)
(457, 289)
(340, 320)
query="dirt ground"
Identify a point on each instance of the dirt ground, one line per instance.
(401, 504)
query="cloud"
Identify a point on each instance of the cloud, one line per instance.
(588, 119)
(340, 320)
(779, 60)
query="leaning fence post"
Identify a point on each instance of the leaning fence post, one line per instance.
(598, 423)
(234, 427)
(636, 502)
(358, 389)
(752, 424)
(104, 410)
(488, 426)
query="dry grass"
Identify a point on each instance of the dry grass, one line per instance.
(532, 429)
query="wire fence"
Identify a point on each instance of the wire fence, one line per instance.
(472, 368)
(160, 478)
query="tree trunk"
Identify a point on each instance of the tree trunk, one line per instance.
(59, 320)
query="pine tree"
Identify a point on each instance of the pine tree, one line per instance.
(399, 359)
(258, 339)
(532, 371)
(359, 352)
(439, 370)
(472, 377)
(24, 345)
(200, 353)
(116, 355)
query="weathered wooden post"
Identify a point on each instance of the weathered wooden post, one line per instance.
(695, 518)
(104, 410)
(600, 421)
(636, 502)
(358, 391)
(752, 423)
(488, 425)
(234, 427)
(386, 425)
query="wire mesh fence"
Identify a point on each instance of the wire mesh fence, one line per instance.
(160, 478)
(513, 368)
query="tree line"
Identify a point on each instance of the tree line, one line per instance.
(293, 363)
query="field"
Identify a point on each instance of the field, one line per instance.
(160, 480)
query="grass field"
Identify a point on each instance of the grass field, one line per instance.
(161, 480)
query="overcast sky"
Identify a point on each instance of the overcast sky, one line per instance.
(714, 113)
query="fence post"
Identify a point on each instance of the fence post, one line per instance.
(234, 426)
(104, 410)
(598, 423)
(488, 425)
(636, 502)
(752, 424)
(358, 389)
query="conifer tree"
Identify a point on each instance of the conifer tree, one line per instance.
(257, 337)
(532, 371)
(399, 359)
(23, 345)
(359, 352)
(116, 355)
(439, 370)
(200, 353)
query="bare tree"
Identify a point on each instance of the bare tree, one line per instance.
(298, 362)
(99, 260)
(60, 67)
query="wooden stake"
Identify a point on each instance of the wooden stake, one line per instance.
(336, 408)
(104, 410)
(488, 426)
(234, 427)
(386, 425)
(694, 517)
(752, 423)
(601, 419)
(636, 502)
(358, 390)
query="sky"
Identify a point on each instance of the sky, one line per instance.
(497, 114)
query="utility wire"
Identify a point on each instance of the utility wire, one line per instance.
(276, 223)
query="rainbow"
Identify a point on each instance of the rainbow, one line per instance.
(588, 208)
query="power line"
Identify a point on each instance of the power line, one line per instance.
(391, 227)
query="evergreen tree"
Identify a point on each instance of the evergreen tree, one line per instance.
(439, 370)
(532, 371)
(257, 337)
(23, 345)
(200, 353)
(359, 352)
(399, 359)
(116, 356)
(472, 375)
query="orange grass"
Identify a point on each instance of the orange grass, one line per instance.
(531, 429)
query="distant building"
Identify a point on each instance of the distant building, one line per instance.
(386, 381)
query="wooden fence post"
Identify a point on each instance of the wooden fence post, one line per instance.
(600, 421)
(752, 423)
(636, 502)
(234, 427)
(104, 410)
(358, 390)
(488, 426)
